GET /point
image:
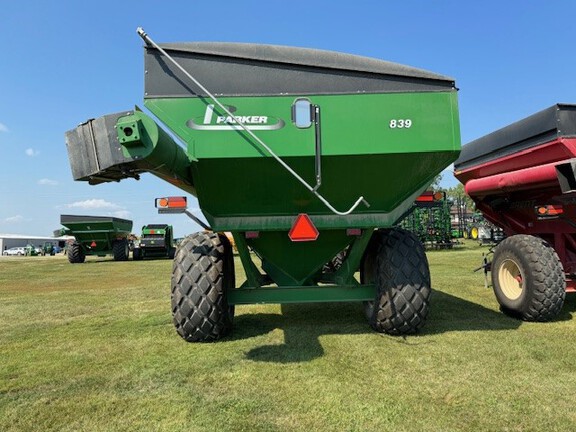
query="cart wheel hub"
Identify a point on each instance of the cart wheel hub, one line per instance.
(510, 278)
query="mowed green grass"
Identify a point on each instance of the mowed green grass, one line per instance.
(91, 347)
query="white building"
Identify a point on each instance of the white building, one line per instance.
(14, 240)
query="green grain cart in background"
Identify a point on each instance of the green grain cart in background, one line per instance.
(301, 154)
(96, 235)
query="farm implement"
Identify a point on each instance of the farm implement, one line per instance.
(522, 178)
(429, 219)
(156, 241)
(96, 235)
(302, 154)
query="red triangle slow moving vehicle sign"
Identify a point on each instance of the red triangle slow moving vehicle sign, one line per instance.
(303, 229)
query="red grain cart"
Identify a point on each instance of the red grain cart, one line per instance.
(522, 178)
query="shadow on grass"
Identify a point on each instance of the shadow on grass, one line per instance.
(109, 260)
(92, 259)
(304, 324)
(568, 309)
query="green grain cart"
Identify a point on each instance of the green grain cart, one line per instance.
(96, 235)
(301, 154)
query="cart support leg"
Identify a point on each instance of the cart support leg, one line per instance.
(254, 278)
(345, 274)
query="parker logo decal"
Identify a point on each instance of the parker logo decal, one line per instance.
(212, 121)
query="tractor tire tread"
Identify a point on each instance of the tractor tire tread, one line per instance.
(403, 281)
(545, 277)
(120, 250)
(75, 254)
(199, 306)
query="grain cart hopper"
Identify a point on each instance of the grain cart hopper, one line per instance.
(96, 235)
(302, 154)
(156, 240)
(522, 178)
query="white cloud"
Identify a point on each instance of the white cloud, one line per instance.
(103, 207)
(3, 127)
(94, 204)
(47, 182)
(13, 219)
(31, 152)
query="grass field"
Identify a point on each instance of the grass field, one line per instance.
(91, 347)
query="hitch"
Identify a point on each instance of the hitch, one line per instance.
(486, 266)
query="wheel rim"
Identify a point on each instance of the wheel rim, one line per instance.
(511, 279)
(474, 233)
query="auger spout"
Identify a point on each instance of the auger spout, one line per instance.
(124, 145)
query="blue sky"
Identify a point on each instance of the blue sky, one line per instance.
(66, 61)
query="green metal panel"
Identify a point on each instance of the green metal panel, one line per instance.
(289, 263)
(86, 227)
(298, 294)
(365, 152)
(296, 263)
(97, 234)
(351, 124)
(155, 231)
(257, 194)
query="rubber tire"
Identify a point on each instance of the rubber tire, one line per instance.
(395, 261)
(202, 273)
(543, 287)
(120, 250)
(76, 254)
(137, 254)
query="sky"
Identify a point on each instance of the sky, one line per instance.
(64, 62)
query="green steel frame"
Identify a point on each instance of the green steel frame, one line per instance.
(339, 286)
